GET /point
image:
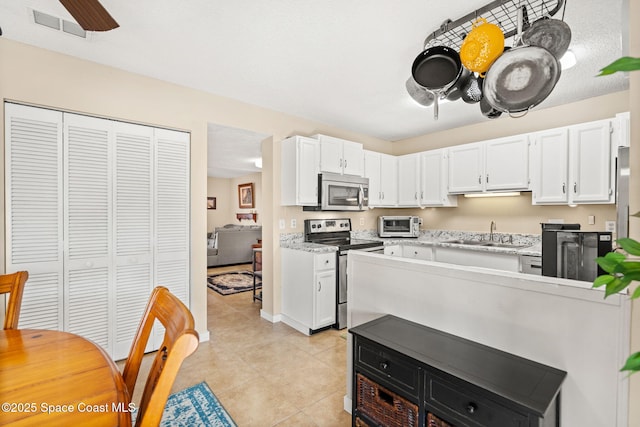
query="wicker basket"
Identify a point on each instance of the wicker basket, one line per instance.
(360, 423)
(433, 421)
(383, 406)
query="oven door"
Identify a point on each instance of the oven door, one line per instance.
(339, 193)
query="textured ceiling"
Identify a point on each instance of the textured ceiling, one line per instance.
(343, 63)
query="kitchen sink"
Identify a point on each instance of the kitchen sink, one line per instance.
(484, 243)
(464, 242)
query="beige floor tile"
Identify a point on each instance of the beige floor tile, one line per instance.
(329, 412)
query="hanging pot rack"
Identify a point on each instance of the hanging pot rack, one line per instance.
(502, 13)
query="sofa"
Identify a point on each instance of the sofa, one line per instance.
(231, 244)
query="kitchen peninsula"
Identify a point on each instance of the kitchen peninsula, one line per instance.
(557, 322)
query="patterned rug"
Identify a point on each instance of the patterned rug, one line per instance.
(195, 406)
(231, 283)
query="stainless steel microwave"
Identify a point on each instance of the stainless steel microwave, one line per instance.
(399, 226)
(341, 193)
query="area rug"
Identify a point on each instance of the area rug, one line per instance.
(195, 406)
(231, 283)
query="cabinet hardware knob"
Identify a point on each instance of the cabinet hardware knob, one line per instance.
(345, 163)
(479, 179)
(564, 190)
(471, 407)
(319, 286)
(575, 187)
(487, 178)
(384, 365)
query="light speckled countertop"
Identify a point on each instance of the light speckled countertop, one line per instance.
(524, 244)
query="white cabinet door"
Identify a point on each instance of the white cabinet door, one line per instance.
(372, 170)
(574, 165)
(324, 308)
(389, 180)
(409, 180)
(340, 156)
(434, 178)
(550, 167)
(591, 169)
(393, 250)
(465, 168)
(507, 163)
(300, 165)
(353, 158)
(417, 252)
(34, 211)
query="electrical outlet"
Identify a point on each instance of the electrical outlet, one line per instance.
(281, 224)
(294, 223)
(610, 226)
(361, 221)
(591, 219)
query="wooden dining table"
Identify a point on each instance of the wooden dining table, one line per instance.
(53, 378)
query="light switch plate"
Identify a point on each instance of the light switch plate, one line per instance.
(591, 219)
(361, 221)
(294, 223)
(281, 224)
(610, 226)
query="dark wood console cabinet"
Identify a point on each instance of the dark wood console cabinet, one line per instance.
(408, 374)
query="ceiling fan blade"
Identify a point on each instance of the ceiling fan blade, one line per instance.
(90, 15)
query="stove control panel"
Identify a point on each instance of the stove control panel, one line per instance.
(327, 225)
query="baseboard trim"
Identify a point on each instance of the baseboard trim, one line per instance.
(270, 317)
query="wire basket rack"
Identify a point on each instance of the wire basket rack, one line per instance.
(503, 13)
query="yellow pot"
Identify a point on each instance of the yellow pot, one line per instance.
(483, 45)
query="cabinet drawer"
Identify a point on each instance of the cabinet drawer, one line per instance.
(325, 261)
(396, 369)
(470, 407)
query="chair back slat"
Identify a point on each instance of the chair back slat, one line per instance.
(180, 340)
(13, 284)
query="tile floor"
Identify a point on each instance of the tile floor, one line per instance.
(267, 374)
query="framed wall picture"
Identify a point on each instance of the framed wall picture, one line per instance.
(245, 196)
(211, 202)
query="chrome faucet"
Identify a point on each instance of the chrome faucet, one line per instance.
(492, 228)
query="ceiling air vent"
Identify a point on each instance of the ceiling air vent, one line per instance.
(58, 24)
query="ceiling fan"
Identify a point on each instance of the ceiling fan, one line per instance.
(90, 15)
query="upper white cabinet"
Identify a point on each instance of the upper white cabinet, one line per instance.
(434, 179)
(496, 165)
(382, 171)
(409, 180)
(300, 163)
(574, 165)
(340, 156)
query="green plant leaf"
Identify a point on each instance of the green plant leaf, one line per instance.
(610, 261)
(630, 246)
(627, 267)
(605, 279)
(633, 363)
(616, 286)
(625, 63)
(636, 293)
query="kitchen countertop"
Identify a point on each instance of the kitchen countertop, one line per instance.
(527, 244)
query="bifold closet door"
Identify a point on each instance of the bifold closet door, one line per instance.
(172, 215)
(88, 227)
(34, 211)
(133, 223)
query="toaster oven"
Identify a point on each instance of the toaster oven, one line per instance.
(399, 226)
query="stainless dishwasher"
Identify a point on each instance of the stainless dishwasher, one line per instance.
(531, 264)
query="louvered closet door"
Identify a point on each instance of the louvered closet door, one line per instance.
(133, 230)
(88, 211)
(33, 211)
(172, 195)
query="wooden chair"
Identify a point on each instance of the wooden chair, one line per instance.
(180, 340)
(13, 284)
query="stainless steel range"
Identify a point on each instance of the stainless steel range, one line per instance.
(337, 232)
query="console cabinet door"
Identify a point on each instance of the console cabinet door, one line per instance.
(324, 308)
(466, 168)
(591, 169)
(507, 164)
(550, 167)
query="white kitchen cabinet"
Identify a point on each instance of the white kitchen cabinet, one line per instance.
(434, 178)
(308, 289)
(393, 250)
(409, 180)
(98, 213)
(574, 165)
(459, 256)
(340, 156)
(300, 165)
(424, 253)
(382, 171)
(466, 168)
(496, 165)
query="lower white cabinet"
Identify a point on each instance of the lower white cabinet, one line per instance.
(393, 250)
(498, 261)
(308, 289)
(423, 253)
